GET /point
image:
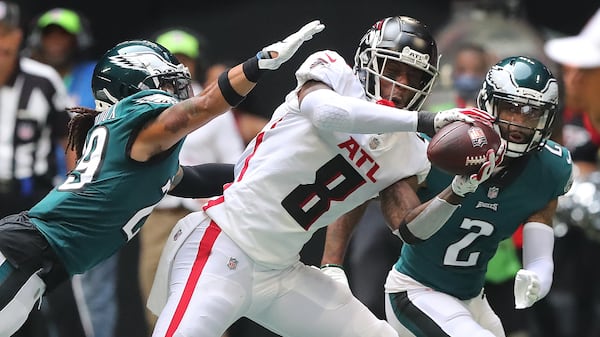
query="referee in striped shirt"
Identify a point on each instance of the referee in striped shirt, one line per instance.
(33, 121)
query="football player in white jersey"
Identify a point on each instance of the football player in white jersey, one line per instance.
(327, 149)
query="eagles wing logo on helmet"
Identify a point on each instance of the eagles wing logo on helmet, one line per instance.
(136, 65)
(498, 79)
(526, 83)
(140, 61)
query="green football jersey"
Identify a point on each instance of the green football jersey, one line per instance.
(454, 260)
(105, 200)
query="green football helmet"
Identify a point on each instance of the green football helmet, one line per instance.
(137, 65)
(525, 86)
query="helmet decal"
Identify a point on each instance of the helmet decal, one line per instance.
(140, 61)
(389, 45)
(137, 65)
(522, 86)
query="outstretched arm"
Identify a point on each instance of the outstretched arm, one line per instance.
(201, 181)
(424, 220)
(231, 87)
(534, 281)
(338, 236)
(336, 241)
(329, 110)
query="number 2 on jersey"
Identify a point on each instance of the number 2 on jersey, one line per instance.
(459, 248)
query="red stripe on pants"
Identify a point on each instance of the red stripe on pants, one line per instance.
(206, 244)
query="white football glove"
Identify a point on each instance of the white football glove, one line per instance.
(527, 288)
(461, 185)
(336, 273)
(286, 48)
(446, 117)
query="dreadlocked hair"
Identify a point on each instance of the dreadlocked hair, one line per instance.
(79, 125)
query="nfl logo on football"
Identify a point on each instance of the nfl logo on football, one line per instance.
(477, 137)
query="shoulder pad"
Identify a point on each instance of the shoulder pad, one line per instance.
(557, 159)
(329, 67)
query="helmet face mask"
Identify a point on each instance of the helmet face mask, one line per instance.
(176, 83)
(133, 66)
(392, 42)
(523, 96)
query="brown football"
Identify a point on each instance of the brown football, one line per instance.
(460, 148)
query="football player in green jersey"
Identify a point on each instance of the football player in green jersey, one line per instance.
(436, 286)
(128, 152)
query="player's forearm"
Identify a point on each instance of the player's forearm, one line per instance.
(202, 181)
(538, 247)
(229, 90)
(338, 236)
(238, 81)
(190, 114)
(398, 200)
(335, 245)
(425, 220)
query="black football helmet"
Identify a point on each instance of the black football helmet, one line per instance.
(137, 65)
(524, 85)
(399, 39)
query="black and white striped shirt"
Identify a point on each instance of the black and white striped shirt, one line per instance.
(32, 122)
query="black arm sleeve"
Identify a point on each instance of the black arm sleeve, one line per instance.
(203, 181)
(425, 123)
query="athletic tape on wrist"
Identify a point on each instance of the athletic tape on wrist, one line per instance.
(251, 70)
(230, 95)
(425, 123)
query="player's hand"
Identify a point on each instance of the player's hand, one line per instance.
(463, 184)
(468, 115)
(494, 159)
(273, 56)
(336, 273)
(527, 289)
(478, 114)
(446, 117)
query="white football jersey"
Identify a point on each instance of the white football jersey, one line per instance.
(294, 178)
